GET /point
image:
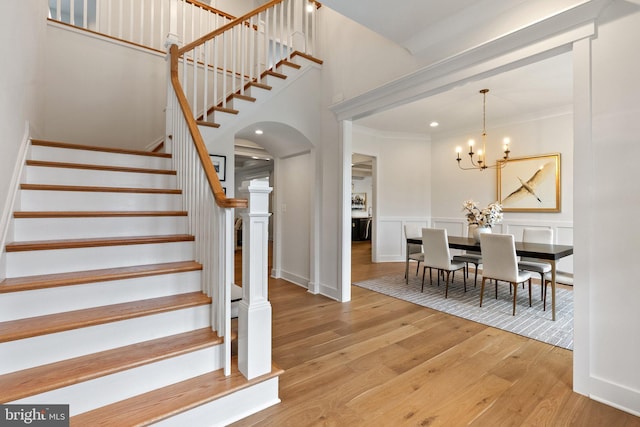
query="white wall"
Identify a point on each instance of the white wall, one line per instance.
(101, 93)
(607, 201)
(22, 25)
(294, 177)
(403, 174)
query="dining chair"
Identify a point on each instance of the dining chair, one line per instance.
(470, 257)
(500, 263)
(437, 255)
(536, 235)
(415, 250)
(562, 278)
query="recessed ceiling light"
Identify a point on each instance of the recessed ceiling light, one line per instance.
(259, 132)
(434, 124)
(309, 7)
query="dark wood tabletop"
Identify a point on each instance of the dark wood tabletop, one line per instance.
(531, 250)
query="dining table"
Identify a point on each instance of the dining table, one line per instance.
(550, 253)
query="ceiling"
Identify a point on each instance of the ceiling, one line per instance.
(539, 89)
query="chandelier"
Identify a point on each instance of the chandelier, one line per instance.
(481, 162)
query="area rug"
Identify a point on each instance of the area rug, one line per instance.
(531, 322)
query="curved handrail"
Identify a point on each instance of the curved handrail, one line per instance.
(212, 177)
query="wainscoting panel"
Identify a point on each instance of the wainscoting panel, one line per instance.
(390, 240)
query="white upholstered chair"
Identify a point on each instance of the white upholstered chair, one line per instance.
(438, 256)
(415, 252)
(470, 257)
(500, 263)
(536, 235)
(561, 278)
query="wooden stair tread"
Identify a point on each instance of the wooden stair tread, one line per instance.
(168, 401)
(46, 187)
(306, 56)
(274, 74)
(27, 283)
(92, 214)
(56, 144)
(225, 110)
(52, 323)
(209, 124)
(259, 85)
(87, 166)
(43, 378)
(244, 97)
(95, 242)
(289, 64)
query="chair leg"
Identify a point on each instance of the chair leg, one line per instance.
(482, 290)
(464, 279)
(496, 282)
(424, 269)
(544, 297)
(475, 276)
(529, 292)
(418, 267)
(515, 293)
(541, 286)
(446, 286)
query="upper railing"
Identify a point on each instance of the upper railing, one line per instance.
(228, 60)
(142, 22)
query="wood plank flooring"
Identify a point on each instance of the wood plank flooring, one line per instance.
(378, 361)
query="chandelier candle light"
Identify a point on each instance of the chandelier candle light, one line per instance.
(481, 163)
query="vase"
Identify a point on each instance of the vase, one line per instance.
(478, 230)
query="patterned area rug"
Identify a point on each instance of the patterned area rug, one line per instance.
(530, 322)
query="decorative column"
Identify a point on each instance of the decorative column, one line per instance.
(254, 311)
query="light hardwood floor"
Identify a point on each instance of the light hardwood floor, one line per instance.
(378, 361)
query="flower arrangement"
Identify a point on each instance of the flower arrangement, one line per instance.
(487, 217)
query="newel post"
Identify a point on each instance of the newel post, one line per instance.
(254, 311)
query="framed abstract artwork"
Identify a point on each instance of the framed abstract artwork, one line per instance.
(530, 184)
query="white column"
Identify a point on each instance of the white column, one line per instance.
(254, 311)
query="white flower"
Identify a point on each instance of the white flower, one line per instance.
(487, 217)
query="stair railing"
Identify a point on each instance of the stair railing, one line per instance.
(225, 61)
(142, 22)
(209, 70)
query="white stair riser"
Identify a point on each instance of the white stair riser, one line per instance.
(257, 92)
(69, 155)
(229, 408)
(223, 118)
(239, 104)
(275, 82)
(92, 177)
(40, 302)
(29, 229)
(30, 263)
(98, 392)
(45, 200)
(40, 350)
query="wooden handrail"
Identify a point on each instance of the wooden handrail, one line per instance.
(227, 26)
(211, 9)
(212, 177)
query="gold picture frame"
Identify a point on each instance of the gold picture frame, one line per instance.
(530, 184)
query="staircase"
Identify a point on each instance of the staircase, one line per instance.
(102, 307)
